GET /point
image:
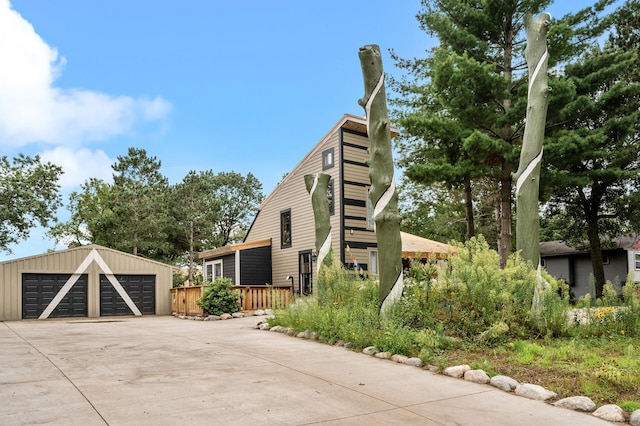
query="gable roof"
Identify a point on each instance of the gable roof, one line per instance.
(88, 248)
(558, 248)
(348, 121)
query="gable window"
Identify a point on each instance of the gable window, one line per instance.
(327, 159)
(285, 228)
(330, 197)
(213, 270)
(637, 261)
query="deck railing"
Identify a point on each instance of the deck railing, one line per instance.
(183, 299)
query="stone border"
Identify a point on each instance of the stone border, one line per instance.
(608, 412)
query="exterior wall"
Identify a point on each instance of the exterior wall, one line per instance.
(577, 266)
(255, 266)
(358, 236)
(67, 262)
(560, 268)
(229, 267)
(292, 194)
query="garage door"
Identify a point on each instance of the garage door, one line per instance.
(38, 290)
(140, 288)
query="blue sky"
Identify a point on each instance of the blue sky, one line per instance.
(230, 86)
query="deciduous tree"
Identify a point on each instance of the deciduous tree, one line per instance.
(29, 196)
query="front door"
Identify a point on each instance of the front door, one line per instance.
(305, 273)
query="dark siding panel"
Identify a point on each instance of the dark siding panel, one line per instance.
(38, 290)
(229, 267)
(140, 288)
(255, 266)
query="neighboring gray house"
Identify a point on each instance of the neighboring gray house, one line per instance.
(574, 266)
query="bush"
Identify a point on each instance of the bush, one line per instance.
(219, 297)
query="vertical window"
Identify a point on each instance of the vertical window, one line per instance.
(330, 197)
(371, 220)
(637, 261)
(285, 228)
(327, 159)
(373, 262)
(213, 270)
(543, 263)
(606, 260)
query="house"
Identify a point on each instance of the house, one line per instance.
(89, 281)
(283, 229)
(574, 266)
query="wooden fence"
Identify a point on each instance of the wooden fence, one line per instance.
(183, 299)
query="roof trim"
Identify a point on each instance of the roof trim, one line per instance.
(221, 251)
(89, 247)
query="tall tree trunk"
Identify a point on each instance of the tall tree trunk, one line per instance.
(593, 232)
(317, 186)
(383, 192)
(504, 239)
(191, 253)
(528, 175)
(468, 202)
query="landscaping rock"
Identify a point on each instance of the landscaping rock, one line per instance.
(383, 355)
(313, 336)
(400, 359)
(634, 420)
(536, 392)
(370, 350)
(237, 315)
(414, 362)
(301, 335)
(476, 376)
(504, 383)
(577, 403)
(432, 368)
(610, 413)
(348, 345)
(225, 316)
(268, 311)
(290, 331)
(340, 343)
(264, 326)
(198, 318)
(456, 371)
(259, 312)
(212, 318)
(276, 329)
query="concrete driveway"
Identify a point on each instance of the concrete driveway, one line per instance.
(162, 370)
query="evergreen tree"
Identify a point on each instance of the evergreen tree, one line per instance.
(592, 173)
(140, 205)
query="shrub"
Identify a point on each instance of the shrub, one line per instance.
(219, 297)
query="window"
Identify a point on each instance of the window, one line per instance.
(213, 270)
(371, 220)
(285, 228)
(327, 159)
(543, 263)
(637, 261)
(605, 259)
(373, 262)
(330, 197)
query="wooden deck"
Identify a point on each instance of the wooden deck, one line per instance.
(183, 299)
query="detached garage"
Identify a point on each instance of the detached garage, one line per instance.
(88, 281)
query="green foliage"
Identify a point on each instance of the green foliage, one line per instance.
(178, 279)
(219, 297)
(28, 197)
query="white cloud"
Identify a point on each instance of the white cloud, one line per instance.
(32, 109)
(79, 165)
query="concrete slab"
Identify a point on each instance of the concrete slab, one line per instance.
(163, 370)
